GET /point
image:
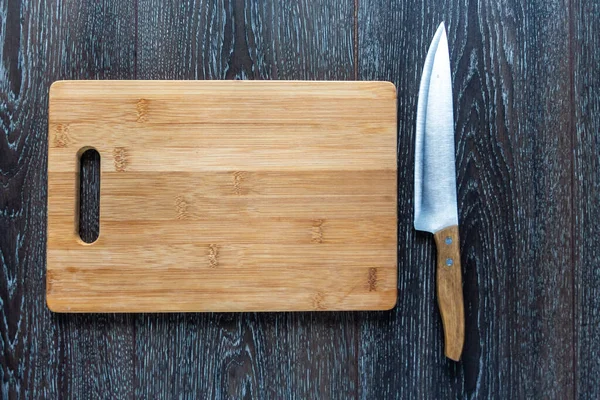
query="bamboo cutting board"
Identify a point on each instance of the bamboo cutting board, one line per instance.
(225, 196)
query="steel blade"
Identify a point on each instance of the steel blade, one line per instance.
(435, 177)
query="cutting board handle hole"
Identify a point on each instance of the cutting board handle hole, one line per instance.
(89, 195)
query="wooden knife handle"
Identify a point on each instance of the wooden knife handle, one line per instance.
(449, 290)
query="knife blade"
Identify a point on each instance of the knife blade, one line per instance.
(436, 206)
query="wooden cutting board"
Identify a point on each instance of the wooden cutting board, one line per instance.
(225, 196)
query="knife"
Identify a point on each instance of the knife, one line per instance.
(436, 206)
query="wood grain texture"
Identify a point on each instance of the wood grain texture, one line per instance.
(93, 41)
(586, 228)
(199, 250)
(284, 355)
(41, 355)
(512, 113)
(449, 290)
(512, 83)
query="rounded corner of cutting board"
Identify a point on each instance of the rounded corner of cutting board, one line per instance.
(390, 301)
(52, 305)
(391, 86)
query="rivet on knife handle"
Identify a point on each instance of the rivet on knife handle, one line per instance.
(449, 290)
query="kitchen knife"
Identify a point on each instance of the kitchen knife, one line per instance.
(436, 208)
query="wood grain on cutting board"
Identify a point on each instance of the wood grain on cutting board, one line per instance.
(225, 196)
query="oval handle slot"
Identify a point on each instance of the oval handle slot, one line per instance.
(89, 196)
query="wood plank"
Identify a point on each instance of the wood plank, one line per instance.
(268, 158)
(586, 222)
(236, 184)
(45, 356)
(511, 82)
(345, 233)
(283, 355)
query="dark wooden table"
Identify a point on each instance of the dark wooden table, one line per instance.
(527, 110)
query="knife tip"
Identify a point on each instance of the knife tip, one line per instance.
(442, 27)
